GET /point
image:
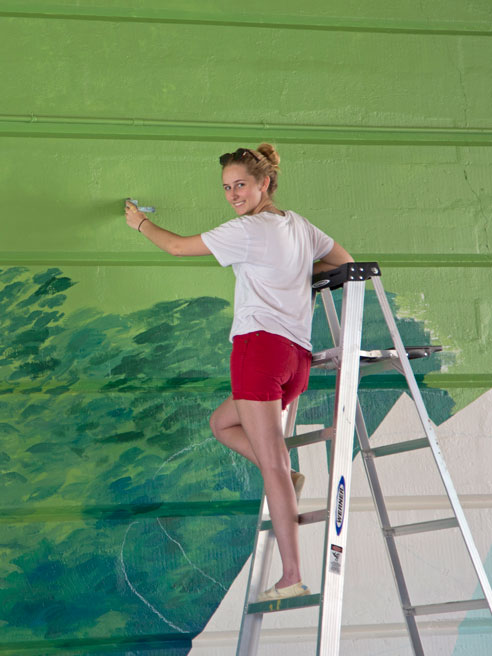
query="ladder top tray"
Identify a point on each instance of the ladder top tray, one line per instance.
(329, 358)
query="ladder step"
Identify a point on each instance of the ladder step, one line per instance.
(321, 435)
(311, 517)
(422, 527)
(305, 601)
(326, 359)
(314, 516)
(447, 607)
(401, 447)
(329, 358)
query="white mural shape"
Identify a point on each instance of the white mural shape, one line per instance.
(436, 565)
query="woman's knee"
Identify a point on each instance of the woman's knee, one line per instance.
(223, 417)
(215, 422)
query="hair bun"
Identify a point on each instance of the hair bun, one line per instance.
(268, 151)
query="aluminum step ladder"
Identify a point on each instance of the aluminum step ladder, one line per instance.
(351, 363)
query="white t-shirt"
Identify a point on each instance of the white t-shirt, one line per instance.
(272, 257)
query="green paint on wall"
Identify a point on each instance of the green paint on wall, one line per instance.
(374, 199)
(87, 478)
(84, 405)
(121, 446)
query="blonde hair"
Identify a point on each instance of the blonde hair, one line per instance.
(262, 162)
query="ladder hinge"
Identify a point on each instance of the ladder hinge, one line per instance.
(350, 271)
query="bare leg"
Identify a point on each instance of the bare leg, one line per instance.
(262, 426)
(226, 427)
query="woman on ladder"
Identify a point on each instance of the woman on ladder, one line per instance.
(272, 254)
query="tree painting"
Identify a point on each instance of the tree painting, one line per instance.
(123, 521)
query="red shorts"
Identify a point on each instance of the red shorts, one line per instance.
(267, 367)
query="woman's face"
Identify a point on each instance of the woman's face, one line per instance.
(242, 191)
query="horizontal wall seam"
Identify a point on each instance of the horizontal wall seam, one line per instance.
(110, 644)
(248, 507)
(161, 259)
(219, 639)
(208, 640)
(224, 19)
(221, 384)
(124, 512)
(67, 127)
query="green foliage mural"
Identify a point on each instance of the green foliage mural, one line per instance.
(104, 426)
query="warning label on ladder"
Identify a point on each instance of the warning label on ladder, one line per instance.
(336, 559)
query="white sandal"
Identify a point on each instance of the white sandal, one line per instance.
(298, 481)
(296, 590)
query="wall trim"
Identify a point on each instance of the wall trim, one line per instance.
(208, 640)
(71, 127)
(160, 259)
(125, 511)
(109, 644)
(122, 512)
(437, 382)
(220, 18)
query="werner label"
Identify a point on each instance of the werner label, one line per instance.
(340, 506)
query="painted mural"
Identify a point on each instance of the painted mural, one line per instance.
(104, 424)
(124, 527)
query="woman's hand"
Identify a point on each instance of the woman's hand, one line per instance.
(165, 239)
(133, 216)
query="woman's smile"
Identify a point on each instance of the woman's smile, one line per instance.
(241, 189)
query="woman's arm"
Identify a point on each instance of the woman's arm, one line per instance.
(164, 239)
(335, 258)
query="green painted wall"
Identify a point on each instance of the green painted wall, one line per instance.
(381, 116)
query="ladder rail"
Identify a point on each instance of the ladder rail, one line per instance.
(261, 560)
(389, 538)
(433, 443)
(333, 572)
(249, 633)
(377, 493)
